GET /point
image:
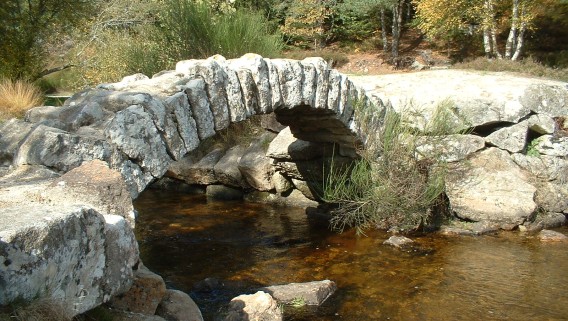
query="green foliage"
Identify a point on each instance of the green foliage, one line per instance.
(183, 30)
(193, 30)
(298, 302)
(389, 186)
(531, 149)
(26, 28)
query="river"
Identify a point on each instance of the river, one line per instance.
(238, 246)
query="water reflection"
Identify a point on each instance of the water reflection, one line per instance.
(187, 239)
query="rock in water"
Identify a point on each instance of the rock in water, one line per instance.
(254, 307)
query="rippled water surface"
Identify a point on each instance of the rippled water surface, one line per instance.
(186, 239)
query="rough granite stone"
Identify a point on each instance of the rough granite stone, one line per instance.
(480, 189)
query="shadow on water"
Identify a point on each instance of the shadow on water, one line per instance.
(217, 250)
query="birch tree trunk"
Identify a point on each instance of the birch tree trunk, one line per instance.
(494, 43)
(510, 46)
(520, 40)
(487, 42)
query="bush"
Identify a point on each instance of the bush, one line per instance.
(118, 54)
(389, 186)
(185, 30)
(192, 30)
(528, 67)
(17, 96)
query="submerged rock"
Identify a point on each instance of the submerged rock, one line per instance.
(310, 293)
(398, 241)
(254, 307)
(552, 236)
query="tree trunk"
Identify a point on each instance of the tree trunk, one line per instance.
(511, 40)
(520, 40)
(487, 42)
(490, 23)
(494, 43)
(384, 30)
(396, 27)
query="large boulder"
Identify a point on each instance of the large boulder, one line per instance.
(255, 166)
(67, 253)
(491, 187)
(55, 247)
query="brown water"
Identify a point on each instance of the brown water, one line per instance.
(186, 239)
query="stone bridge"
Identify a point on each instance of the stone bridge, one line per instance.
(140, 125)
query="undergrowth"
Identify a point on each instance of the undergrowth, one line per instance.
(390, 186)
(526, 67)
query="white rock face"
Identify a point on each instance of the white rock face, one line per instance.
(484, 98)
(68, 253)
(491, 187)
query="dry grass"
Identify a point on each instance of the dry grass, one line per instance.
(39, 310)
(526, 67)
(17, 96)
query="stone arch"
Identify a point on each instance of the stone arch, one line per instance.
(140, 124)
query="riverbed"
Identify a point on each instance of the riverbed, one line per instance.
(216, 250)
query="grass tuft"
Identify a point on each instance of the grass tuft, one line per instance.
(389, 186)
(38, 310)
(17, 97)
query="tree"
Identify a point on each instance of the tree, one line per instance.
(450, 17)
(307, 21)
(396, 8)
(26, 26)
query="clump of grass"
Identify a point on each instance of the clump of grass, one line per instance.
(17, 96)
(528, 67)
(298, 302)
(38, 310)
(389, 186)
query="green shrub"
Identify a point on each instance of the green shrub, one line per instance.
(193, 30)
(389, 186)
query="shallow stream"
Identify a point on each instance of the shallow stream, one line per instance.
(239, 246)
